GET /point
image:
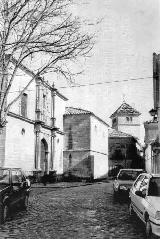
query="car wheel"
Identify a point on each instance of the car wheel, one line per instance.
(4, 212)
(148, 229)
(131, 211)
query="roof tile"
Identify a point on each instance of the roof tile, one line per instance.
(125, 109)
(71, 110)
(118, 134)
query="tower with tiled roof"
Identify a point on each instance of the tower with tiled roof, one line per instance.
(126, 119)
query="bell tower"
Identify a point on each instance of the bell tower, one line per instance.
(126, 119)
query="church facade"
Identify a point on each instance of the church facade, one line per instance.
(33, 136)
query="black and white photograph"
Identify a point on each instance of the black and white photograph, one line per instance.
(79, 119)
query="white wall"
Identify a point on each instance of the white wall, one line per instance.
(131, 127)
(99, 147)
(20, 81)
(99, 136)
(58, 156)
(100, 165)
(123, 120)
(59, 111)
(19, 147)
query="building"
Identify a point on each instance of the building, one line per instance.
(152, 128)
(33, 136)
(85, 145)
(126, 119)
(151, 146)
(123, 151)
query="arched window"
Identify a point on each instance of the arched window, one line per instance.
(24, 105)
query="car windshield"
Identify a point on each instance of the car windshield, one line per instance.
(128, 175)
(154, 187)
(4, 176)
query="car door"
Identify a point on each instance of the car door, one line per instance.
(141, 201)
(135, 188)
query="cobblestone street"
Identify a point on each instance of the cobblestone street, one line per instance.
(77, 212)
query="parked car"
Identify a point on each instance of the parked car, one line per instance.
(124, 181)
(14, 190)
(145, 202)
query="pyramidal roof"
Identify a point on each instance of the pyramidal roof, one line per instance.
(118, 134)
(79, 111)
(125, 109)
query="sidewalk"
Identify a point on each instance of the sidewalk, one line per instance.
(64, 184)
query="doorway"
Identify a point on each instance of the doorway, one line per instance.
(44, 156)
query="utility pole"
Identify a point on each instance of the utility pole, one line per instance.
(158, 114)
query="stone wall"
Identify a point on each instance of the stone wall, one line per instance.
(86, 146)
(78, 163)
(79, 128)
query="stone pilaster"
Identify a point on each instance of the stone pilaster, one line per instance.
(53, 134)
(37, 147)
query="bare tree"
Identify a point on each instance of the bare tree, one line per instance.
(30, 29)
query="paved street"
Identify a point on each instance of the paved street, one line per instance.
(77, 212)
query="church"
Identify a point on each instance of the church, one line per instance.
(33, 136)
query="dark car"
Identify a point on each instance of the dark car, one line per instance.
(14, 190)
(124, 181)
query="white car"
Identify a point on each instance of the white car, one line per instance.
(145, 202)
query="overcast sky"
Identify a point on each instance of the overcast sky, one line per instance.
(127, 36)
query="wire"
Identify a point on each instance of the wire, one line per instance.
(107, 82)
(97, 83)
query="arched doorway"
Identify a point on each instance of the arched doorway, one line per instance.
(44, 156)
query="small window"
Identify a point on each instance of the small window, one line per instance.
(44, 107)
(114, 121)
(127, 118)
(44, 101)
(24, 105)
